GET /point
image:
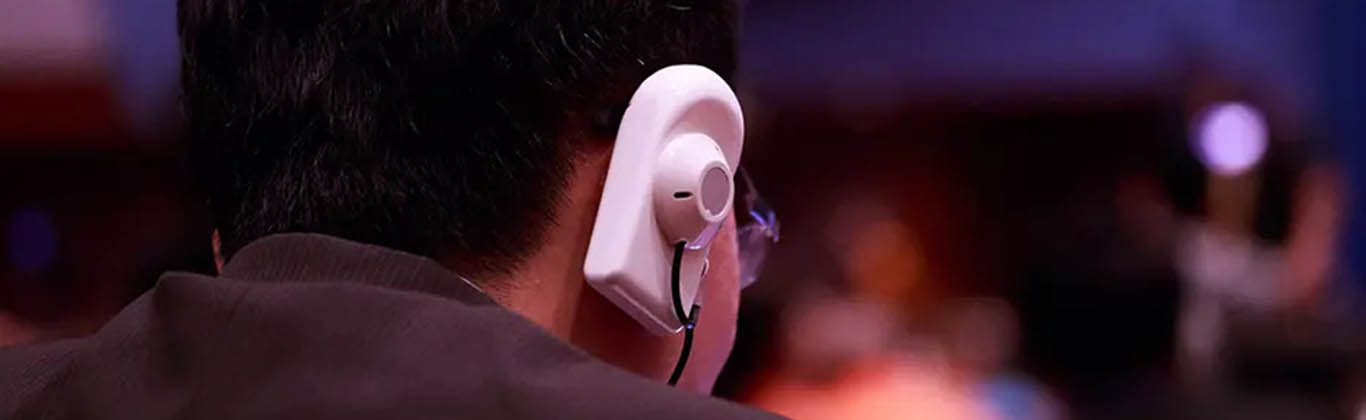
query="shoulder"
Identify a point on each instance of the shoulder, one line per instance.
(204, 347)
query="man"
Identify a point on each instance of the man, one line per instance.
(356, 156)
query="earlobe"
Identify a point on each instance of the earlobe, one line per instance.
(217, 252)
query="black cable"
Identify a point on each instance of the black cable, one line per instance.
(689, 320)
(683, 356)
(673, 281)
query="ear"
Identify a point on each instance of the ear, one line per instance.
(217, 251)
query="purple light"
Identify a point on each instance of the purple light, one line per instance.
(1230, 138)
(31, 240)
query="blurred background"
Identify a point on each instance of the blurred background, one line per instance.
(1061, 209)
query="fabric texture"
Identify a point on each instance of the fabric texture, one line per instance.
(305, 326)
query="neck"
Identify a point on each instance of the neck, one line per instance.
(549, 288)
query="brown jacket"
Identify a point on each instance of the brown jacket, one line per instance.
(303, 326)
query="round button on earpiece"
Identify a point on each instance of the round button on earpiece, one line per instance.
(693, 190)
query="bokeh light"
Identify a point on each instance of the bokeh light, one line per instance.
(1230, 138)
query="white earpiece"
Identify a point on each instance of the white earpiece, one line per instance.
(669, 181)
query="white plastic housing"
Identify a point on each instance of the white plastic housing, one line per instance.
(692, 190)
(629, 256)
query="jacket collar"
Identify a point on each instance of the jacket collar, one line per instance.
(310, 257)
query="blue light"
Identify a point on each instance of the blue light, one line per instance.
(31, 240)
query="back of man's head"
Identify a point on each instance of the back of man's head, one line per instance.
(429, 126)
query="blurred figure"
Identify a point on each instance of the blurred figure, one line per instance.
(980, 337)
(843, 360)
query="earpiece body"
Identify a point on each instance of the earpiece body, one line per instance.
(669, 181)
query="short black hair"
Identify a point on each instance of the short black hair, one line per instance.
(429, 126)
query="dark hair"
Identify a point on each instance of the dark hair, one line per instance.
(422, 125)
